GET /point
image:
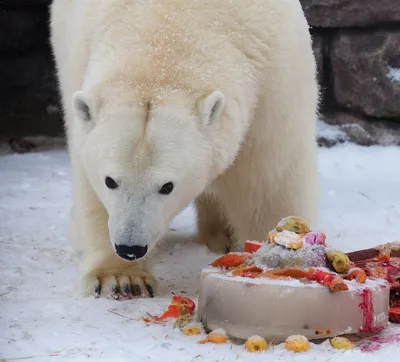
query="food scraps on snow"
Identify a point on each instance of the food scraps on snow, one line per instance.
(179, 307)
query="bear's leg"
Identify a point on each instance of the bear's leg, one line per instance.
(257, 192)
(253, 220)
(102, 271)
(213, 231)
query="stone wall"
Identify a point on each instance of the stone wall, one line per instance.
(357, 48)
(356, 43)
(28, 88)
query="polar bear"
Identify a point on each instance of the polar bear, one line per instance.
(168, 103)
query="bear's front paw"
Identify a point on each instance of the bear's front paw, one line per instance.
(216, 243)
(123, 282)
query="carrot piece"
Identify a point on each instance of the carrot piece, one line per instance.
(289, 272)
(231, 260)
(358, 274)
(249, 272)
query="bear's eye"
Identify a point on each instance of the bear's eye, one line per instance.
(110, 183)
(166, 189)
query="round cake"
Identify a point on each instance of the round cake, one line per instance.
(292, 283)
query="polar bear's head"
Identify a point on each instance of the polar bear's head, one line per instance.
(147, 161)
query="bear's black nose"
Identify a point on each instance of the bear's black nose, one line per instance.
(129, 252)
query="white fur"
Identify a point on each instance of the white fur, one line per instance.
(218, 96)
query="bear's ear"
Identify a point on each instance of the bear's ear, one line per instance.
(81, 106)
(210, 107)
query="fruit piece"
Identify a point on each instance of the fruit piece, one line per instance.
(256, 344)
(340, 261)
(315, 238)
(333, 281)
(341, 343)
(251, 246)
(185, 305)
(217, 336)
(178, 306)
(358, 274)
(230, 260)
(192, 329)
(288, 239)
(173, 311)
(294, 224)
(297, 343)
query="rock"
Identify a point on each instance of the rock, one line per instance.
(341, 127)
(318, 47)
(29, 98)
(22, 31)
(351, 13)
(329, 135)
(366, 72)
(29, 101)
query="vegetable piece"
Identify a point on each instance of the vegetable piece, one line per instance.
(297, 343)
(358, 274)
(256, 344)
(248, 272)
(288, 273)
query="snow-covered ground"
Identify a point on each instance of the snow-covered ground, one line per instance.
(43, 319)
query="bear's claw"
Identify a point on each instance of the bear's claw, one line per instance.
(120, 287)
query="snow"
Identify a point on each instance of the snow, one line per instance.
(43, 317)
(394, 74)
(331, 132)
